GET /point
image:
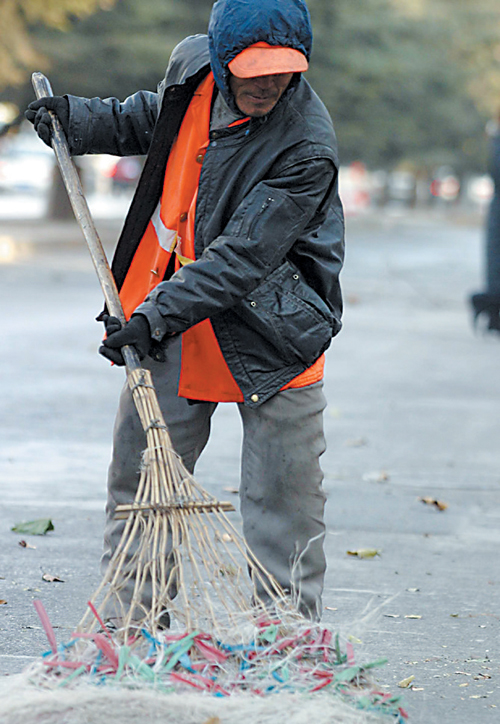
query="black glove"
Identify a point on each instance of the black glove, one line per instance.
(136, 333)
(37, 113)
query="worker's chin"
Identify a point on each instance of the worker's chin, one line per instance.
(256, 110)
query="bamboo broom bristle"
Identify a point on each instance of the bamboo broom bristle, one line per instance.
(179, 552)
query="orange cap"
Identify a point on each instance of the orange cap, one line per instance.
(264, 59)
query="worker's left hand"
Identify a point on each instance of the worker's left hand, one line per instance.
(38, 114)
(136, 333)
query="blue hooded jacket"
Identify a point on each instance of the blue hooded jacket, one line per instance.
(237, 24)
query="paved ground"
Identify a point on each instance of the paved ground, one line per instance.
(413, 412)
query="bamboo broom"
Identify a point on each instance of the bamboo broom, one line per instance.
(177, 540)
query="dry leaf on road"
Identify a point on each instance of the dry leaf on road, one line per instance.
(51, 579)
(405, 683)
(439, 504)
(364, 552)
(34, 527)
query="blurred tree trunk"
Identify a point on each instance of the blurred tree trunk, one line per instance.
(59, 207)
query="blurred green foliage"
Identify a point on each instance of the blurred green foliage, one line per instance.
(406, 81)
(17, 17)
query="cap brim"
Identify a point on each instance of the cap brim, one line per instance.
(253, 62)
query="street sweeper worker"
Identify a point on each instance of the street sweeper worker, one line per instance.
(228, 267)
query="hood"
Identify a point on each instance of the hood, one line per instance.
(236, 24)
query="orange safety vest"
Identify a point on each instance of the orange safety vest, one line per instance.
(204, 372)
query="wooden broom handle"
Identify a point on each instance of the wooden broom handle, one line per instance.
(81, 210)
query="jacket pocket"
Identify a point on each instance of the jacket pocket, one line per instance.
(290, 315)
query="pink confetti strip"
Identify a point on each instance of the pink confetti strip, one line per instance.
(66, 664)
(101, 622)
(350, 654)
(285, 643)
(102, 643)
(211, 654)
(322, 684)
(82, 635)
(44, 619)
(174, 676)
(326, 640)
(321, 674)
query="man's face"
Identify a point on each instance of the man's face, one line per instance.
(257, 96)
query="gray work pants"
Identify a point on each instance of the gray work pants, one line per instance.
(282, 499)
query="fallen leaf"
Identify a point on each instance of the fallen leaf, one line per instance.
(380, 476)
(413, 615)
(34, 527)
(23, 544)
(213, 720)
(454, 615)
(405, 683)
(51, 579)
(364, 553)
(3, 602)
(464, 684)
(436, 503)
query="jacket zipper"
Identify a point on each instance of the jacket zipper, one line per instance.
(262, 209)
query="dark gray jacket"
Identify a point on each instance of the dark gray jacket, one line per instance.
(269, 231)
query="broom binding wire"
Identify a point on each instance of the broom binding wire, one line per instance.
(122, 511)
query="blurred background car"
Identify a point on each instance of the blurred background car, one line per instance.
(26, 165)
(125, 172)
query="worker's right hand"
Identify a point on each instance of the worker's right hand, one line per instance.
(136, 332)
(37, 113)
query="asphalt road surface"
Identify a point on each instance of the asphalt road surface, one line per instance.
(413, 413)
